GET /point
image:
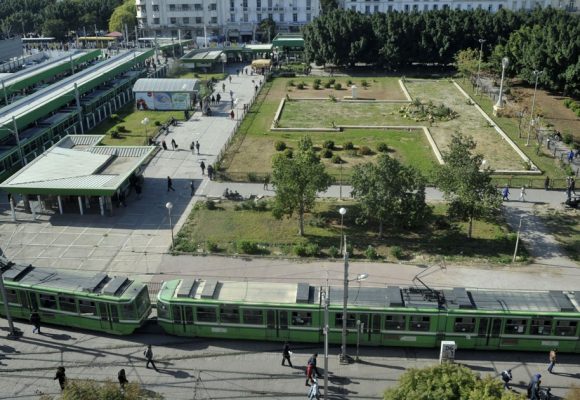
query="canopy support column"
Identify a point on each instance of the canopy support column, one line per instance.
(12, 209)
(59, 204)
(102, 204)
(81, 205)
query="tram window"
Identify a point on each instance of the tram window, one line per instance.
(566, 328)
(482, 326)
(464, 324)
(162, 310)
(230, 314)
(12, 296)
(142, 302)
(515, 326)
(127, 311)
(350, 320)
(48, 301)
(301, 318)
(206, 314)
(188, 314)
(419, 323)
(395, 322)
(67, 303)
(254, 317)
(87, 307)
(541, 326)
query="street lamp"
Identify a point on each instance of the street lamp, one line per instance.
(536, 74)
(481, 42)
(499, 105)
(342, 211)
(169, 206)
(359, 278)
(145, 121)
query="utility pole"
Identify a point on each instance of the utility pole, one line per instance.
(343, 356)
(326, 302)
(4, 266)
(517, 240)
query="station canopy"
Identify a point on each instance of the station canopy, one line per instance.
(166, 85)
(77, 165)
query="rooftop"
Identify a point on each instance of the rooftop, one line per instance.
(166, 85)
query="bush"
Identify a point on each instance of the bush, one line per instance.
(157, 123)
(337, 86)
(397, 252)
(317, 81)
(382, 147)
(364, 83)
(247, 247)
(328, 144)
(327, 85)
(115, 134)
(122, 128)
(365, 151)
(331, 81)
(300, 86)
(350, 249)
(291, 83)
(261, 205)
(209, 205)
(252, 177)
(115, 117)
(371, 253)
(306, 250)
(288, 153)
(299, 250)
(211, 247)
(333, 252)
(326, 153)
(336, 159)
(316, 86)
(280, 145)
(568, 138)
(348, 146)
(349, 82)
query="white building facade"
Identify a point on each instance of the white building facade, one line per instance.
(372, 6)
(235, 20)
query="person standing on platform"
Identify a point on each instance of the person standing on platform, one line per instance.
(286, 353)
(170, 184)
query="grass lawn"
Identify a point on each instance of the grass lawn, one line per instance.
(225, 228)
(565, 225)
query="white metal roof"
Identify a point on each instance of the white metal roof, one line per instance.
(166, 85)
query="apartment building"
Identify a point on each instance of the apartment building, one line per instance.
(372, 6)
(234, 20)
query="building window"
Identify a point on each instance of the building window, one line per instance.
(198, 7)
(172, 20)
(213, 20)
(186, 20)
(259, 17)
(232, 17)
(172, 7)
(232, 5)
(435, 6)
(308, 17)
(245, 17)
(281, 17)
(199, 20)
(490, 7)
(415, 7)
(155, 21)
(212, 7)
(425, 7)
(155, 7)
(185, 7)
(308, 5)
(376, 9)
(353, 8)
(258, 3)
(499, 6)
(407, 7)
(367, 9)
(245, 3)
(390, 8)
(294, 17)
(271, 16)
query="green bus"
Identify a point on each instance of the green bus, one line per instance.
(377, 316)
(95, 302)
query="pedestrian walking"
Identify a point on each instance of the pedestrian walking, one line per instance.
(192, 186)
(138, 190)
(218, 98)
(35, 321)
(286, 353)
(523, 194)
(571, 156)
(212, 99)
(61, 376)
(210, 172)
(311, 370)
(192, 147)
(170, 184)
(547, 183)
(173, 144)
(148, 353)
(552, 358)
(202, 166)
(122, 377)
(224, 87)
(256, 89)
(573, 186)
(266, 181)
(164, 145)
(230, 77)
(232, 114)
(197, 146)
(506, 193)
(534, 387)
(314, 392)
(231, 94)
(506, 377)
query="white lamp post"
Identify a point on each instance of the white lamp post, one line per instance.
(343, 357)
(342, 211)
(536, 74)
(145, 121)
(481, 42)
(169, 206)
(499, 105)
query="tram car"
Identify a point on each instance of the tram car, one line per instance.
(96, 302)
(379, 316)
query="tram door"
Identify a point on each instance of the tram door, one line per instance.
(493, 330)
(178, 320)
(276, 324)
(106, 317)
(370, 328)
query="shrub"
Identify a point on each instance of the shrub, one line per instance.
(252, 177)
(209, 205)
(336, 159)
(333, 252)
(382, 147)
(299, 250)
(300, 86)
(288, 153)
(291, 83)
(332, 98)
(364, 83)
(122, 128)
(317, 81)
(328, 144)
(115, 117)
(317, 221)
(568, 103)
(247, 247)
(348, 146)
(316, 86)
(157, 123)
(365, 151)
(306, 250)
(337, 86)
(568, 138)
(349, 82)
(280, 145)
(211, 247)
(261, 205)
(371, 253)
(397, 252)
(327, 85)
(326, 153)
(245, 205)
(115, 134)
(331, 81)
(350, 249)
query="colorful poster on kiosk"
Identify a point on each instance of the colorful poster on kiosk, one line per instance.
(163, 101)
(144, 101)
(180, 101)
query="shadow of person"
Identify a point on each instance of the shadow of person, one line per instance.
(178, 374)
(58, 336)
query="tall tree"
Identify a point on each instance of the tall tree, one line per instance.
(466, 187)
(390, 192)
(123, 15)
(297, 180)
(328, 5)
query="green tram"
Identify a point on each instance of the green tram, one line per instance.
(385, 316)
(96, 302)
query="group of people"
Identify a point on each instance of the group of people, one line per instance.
(570, 187)
(312, 372)
(506, 193)
(534, 389)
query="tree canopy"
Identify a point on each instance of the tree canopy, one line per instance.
(450, 382)
(125, 14)
(296, 181)
(389, 192)
(466, 186)
(108, 390)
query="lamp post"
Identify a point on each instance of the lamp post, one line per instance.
(169, 206)
(536, 74)
(145, 121)
(342, 211)
(499, 105)
(481, 42)
(326, 303)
